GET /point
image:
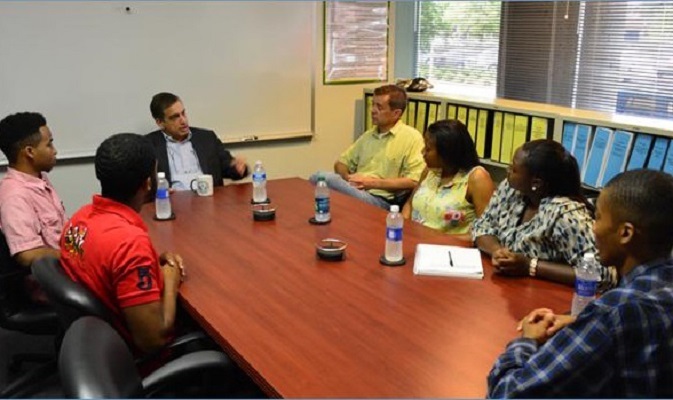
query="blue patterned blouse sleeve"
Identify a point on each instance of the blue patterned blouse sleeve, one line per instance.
(488, 223)
(573, 233)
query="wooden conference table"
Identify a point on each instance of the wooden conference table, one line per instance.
(303, 327)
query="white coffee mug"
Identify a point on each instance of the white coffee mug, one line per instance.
(202, 185)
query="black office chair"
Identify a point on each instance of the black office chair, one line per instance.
(73, 301)
(18, 313)
(95, 362)
(400, 198)
(70, 299)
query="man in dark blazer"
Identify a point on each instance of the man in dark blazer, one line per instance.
(184, 152)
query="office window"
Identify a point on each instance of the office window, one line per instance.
(356, 41)
(538, 51)
(614, 56)
(625, 58)
(457, 44)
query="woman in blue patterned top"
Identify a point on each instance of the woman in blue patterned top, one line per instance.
(538, 223)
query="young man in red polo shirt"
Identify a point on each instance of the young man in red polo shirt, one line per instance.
(106, 247)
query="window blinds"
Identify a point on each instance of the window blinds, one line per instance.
(614, 56)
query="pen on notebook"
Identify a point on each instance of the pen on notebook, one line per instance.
(450, 259)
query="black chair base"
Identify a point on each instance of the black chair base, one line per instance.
(26, 384)
(18, 360)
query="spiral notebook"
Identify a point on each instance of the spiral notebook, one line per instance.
(439, 260)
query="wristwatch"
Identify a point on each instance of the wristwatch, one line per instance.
(532, 267)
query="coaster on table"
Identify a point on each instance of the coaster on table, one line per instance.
(172, 217)
(387, 263)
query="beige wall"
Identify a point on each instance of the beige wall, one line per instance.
(336, 126)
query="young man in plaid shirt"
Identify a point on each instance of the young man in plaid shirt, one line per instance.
(621, 345)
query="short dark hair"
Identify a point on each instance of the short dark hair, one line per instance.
(550, 161)
(454, 144)
(645, 198)
(160, 102)
(123, 163)
(20, 130)
(397, 96)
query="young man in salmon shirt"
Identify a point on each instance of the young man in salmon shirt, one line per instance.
(31, 213)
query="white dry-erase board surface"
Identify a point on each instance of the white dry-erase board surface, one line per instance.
(243, 69)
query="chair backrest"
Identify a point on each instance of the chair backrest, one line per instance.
(12, 292)
(70, 299)
(95, 362)
(7, 262)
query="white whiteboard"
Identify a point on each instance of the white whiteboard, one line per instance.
(242, 68)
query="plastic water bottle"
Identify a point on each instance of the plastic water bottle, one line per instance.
(587, 276)
(259, 183)
(322, 213)
(394, 225)
(162, 201)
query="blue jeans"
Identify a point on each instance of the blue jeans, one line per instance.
(336, 182)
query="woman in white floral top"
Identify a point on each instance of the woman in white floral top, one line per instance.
(538, 223)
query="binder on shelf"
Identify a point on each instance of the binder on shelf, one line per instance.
(520, 132)
(581, 146)
(472, 116)
(368, 112)
(496, 136)
(658, 154)
(462, 115)
(433, 109)
(641, 149)
(617, 154)
(421, 116)
(597, 156)
(451, 112)
(507, 138)
(405, 116)
(568, 136)
(411, 107)
(668, 161)
(538, 128)
(481, 133)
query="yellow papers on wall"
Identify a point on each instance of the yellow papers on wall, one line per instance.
(520, 131)
(496, 136)
(538, 128)
(462, 115)
(368, 112)
(472, 116)
(507, 137)
(439, 260)
(432, 113)
(411, 121)
(421, 116)
(451, 112)
(481, 133)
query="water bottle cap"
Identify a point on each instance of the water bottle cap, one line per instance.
(589, 257)
(258, 162)
(394, 208)
(161, 175)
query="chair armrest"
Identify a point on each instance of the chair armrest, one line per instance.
(11, 273)
(187, 339)
(185, 366)
(181, 345)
